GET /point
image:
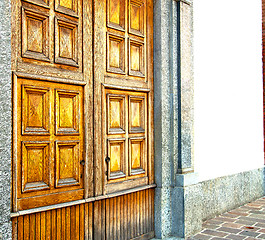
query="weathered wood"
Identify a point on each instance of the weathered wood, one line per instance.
(87, 218)
(82, 221)
(32, 226)
(54, 225)
(91, 234)
(114, 218)
(88, 99)
(82, 91)
(48, 225)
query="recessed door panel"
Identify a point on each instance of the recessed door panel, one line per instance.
(126, 138)
(50, 142)
(35, 166)
(36, 113)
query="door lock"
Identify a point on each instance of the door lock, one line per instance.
(82, 162)
(107, 159)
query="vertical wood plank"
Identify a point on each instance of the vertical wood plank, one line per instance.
(107, 219)
(111, 219)
(147, 211)
(97, 220)
(152, 209)
(77, 221)
(42, 225)
(144, 213)
(63, 230)
(91, 221)
(20, 227)
(99, 71)
(32, 226)
(138, 212)
(118, 218)
(103, 219)
(132, 216)
(129, 216)
(54, 226)
(114, 218)
(86, 221)
(61, 224)
(141, 212)
(48, 225)
(71, 233)
(68, 223)
(126, 222)
(121, 218)
(14, 228)
(38, 233)
(26, 227)
(88, 100)
(135, 212)
(82, 221)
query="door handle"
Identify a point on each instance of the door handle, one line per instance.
(107, 160)
(82, 162)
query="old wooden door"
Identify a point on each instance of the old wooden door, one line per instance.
(82, 119)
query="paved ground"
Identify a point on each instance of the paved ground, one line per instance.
(246, 222)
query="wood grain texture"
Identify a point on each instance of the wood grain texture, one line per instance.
(49, 144)
(123, 217)
(82, 90)
(126, 136)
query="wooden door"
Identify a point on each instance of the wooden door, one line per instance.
(124, 83)
(82, 119)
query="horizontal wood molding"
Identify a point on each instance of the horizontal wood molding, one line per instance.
(49, 79)
(136, 89)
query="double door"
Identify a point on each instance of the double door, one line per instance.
(82, 119)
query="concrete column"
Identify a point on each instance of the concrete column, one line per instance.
(163, 116)
(177, 189)
(5, 119)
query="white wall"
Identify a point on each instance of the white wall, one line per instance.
(228, 87)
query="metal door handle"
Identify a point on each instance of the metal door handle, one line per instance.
(107, 160)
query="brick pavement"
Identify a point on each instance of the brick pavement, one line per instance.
(246, 222)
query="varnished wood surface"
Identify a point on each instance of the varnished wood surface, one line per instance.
(82, 91)
(50, 143)
(129, 216)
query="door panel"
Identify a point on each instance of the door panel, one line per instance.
(50, 142)
(51, 38)
(126, 139)
(130, 216)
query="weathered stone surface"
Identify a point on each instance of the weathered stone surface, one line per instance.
(225, 193)
(173, 106)
(187, 217)
(5, 119)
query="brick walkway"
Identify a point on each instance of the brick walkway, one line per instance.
(246, 222)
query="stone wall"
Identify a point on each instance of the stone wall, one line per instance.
(225, 193)
(5, 119)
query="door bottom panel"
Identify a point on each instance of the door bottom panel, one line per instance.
(129, 216)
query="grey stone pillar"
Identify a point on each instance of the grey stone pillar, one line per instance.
(177, 211)
(5, 119)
